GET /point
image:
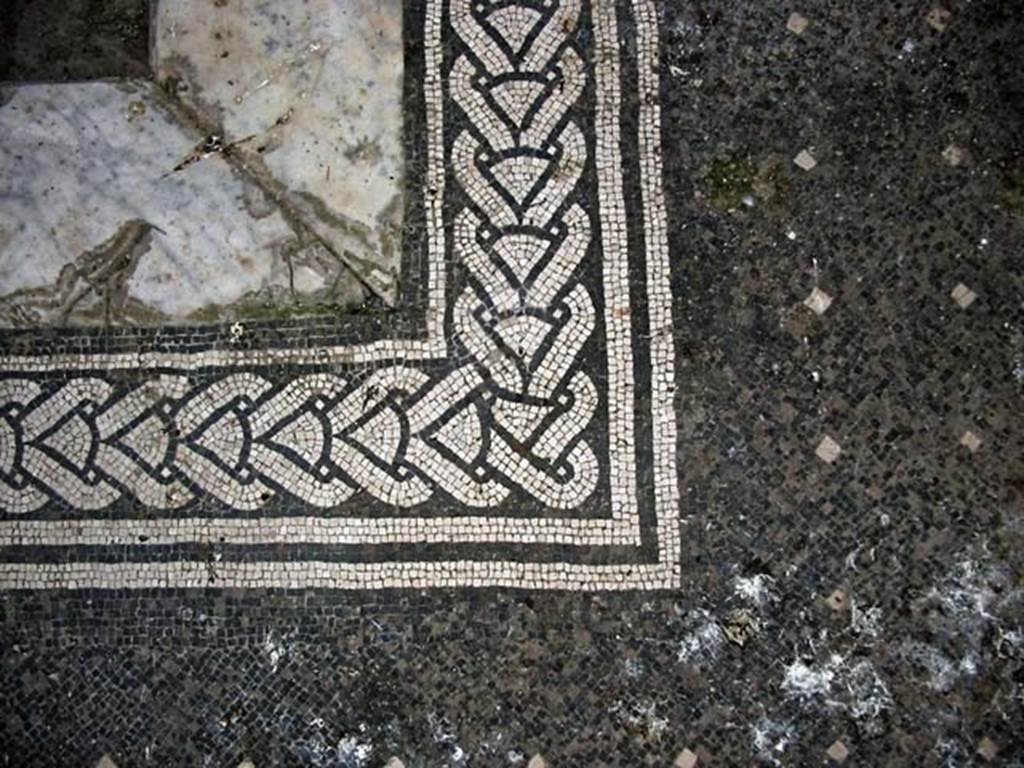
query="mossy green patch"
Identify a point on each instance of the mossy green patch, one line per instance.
(730, 179)
(1011, 187)
(736, 180)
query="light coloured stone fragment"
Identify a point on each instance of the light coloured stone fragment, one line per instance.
(818, 302)
(394, 762)
(685, 759)
(797, 23)
(805, 160)
(537, 761)
(837, 601)
(106, 762)
(970, 441)
(828, 450)
(741, 626)
(938, 18)
(838, 752)
(963, 296)
(988, 749)
(193, 243)
(954, 155)
(247, 763)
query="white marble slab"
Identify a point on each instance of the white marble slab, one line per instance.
(317, 85)
(96, 228)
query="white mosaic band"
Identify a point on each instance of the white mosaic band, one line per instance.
(405, 432)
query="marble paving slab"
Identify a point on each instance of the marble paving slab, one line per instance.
(97, 228)
(314, 92)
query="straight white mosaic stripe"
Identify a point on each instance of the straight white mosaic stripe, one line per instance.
(617, 314)
(659, 290)
(329, 575)
(315, 530)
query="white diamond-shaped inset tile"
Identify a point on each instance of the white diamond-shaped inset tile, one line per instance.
(828, 450)
(963, 296)
(818, 302)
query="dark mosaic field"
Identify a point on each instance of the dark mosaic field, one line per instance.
(58, 40)
(868, 611)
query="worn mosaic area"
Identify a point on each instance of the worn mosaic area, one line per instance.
(92, 40)
(693, 439)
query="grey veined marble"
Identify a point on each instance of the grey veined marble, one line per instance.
(268, 178)
(311, 93)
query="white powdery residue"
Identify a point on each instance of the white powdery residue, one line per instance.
(970, 600)
(805, 682)
(492, 744)
(856, 688)
(654, 725)
(966, 595)
(459, 757)
(274, 650)
(1010, 643)
(866, 622)
(703, 643)
(314, 746)
(969, 664)
(440, 729)
(942, 672)
(868, 694)
(770, 739)
(952, 753)
(643, 717)
(755, 589)
(634, 668)
(354, 753)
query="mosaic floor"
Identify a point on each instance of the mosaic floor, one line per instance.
(512, 382)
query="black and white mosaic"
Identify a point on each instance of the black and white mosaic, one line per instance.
(511, 421)
(692, 439)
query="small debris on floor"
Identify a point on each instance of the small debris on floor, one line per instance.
(954, 155)
(211, 145)
(970, 441)
(938, 18)
(740, 626)
(828, 450)
(805, 160)
(837, 601)
(685, 759)
(818, 302)
(838, 752)
(963, 296)
(797, 24)
(136, 109)
(106, 762)
(394, 762)
(247, 763)
(537, 761)
(988, 749)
